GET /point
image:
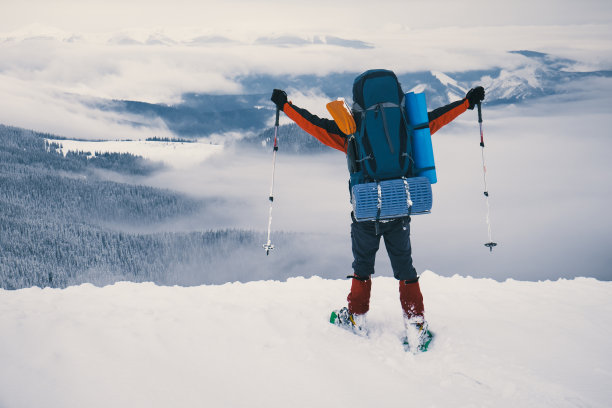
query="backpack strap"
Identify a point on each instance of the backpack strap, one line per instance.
(381, 108)
(365, 142)
(408, 202)
(378, 208)
(408, 199)
(406, 143)
(405, 147)
(378, 107)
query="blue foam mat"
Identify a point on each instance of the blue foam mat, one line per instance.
(393, 198)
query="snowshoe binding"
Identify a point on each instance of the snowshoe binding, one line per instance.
(418, 337)
(348, 321)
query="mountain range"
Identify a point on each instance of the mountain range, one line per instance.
(200, 115)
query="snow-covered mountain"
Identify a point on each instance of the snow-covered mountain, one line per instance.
(538, 75)
(269, 344)
(177, 37)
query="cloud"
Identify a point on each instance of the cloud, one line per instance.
(47, 109)
(40, 65)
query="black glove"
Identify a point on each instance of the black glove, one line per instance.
(475, 96)
(279, 97)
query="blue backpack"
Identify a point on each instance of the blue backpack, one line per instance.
(381, 153)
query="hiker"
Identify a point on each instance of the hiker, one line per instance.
(366, 235)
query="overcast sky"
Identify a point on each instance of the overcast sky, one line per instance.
(111, 49)
(299, 16)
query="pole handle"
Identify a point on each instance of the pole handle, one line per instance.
(277, 116)
(480, 124)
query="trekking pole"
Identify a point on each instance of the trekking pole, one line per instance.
(489, 244)
(268, 245)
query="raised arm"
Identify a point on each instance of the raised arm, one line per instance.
(445, 114)
(325, 130)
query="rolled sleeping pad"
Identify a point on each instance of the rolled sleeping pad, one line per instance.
(390, 199)
(422, 149)
(416, 108)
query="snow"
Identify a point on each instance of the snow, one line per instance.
(455, 91)
(269, 343)
(444, 79)
(179, 155)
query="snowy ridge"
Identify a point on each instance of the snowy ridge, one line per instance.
(171, 37)
(175, 154)
(269, 344)
(534, 76)
(453, 90)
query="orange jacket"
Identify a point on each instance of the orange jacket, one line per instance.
(328, 133)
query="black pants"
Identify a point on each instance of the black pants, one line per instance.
(366, 242)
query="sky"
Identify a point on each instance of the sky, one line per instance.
(54, 54)
(297, 16)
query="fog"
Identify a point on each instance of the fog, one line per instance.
(548, 178)
(549, 184)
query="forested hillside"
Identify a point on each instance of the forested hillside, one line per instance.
(291, 139)
(57, 217)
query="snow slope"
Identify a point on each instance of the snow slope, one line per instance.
(268, 344)
(178, 155)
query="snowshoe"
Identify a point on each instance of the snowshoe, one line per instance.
(418, 337)
(348, 321)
